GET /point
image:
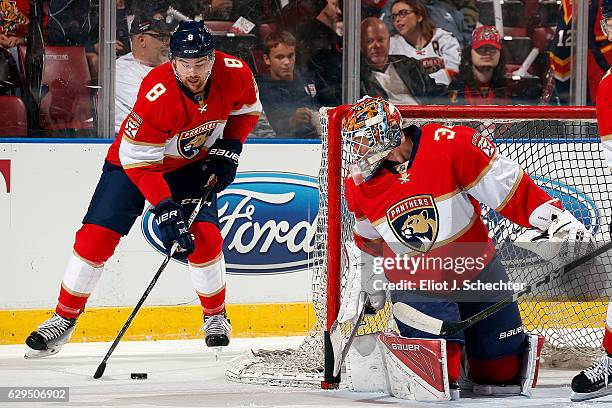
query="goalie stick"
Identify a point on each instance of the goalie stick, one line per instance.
(421, 321)
(335, 334)
(209, 186)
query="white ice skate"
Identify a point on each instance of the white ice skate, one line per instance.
(49, 337)
(218, 329)
(593, 382)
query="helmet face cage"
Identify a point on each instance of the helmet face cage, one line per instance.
(372, 125)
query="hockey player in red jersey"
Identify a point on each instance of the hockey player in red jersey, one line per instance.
(417, 192)
(190, 120)
(596, 381)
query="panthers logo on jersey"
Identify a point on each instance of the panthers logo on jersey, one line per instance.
(414, 221)
(191, 142)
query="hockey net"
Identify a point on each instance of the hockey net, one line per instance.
(557, 147)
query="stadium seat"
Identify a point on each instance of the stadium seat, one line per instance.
(13, 117)
(542, 36)
(517, 49)
(265, 29)
(513, 13)
(68, 98)
(261, 68)
(219, 27)
(515, 32)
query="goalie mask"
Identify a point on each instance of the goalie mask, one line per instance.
(370, 130)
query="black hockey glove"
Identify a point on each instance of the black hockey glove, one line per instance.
(222, 161)
(172, 225)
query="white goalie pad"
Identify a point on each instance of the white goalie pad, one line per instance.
(364, 366)
(416, 369)
(531, 363)
(360, 278)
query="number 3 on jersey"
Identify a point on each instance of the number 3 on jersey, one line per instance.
(155, 92)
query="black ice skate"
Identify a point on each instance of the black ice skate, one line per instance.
(594, 381)
(217, 328)
(50, 336)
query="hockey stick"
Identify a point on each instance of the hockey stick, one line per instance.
(419, 320)
(209, 186)
(335, 334)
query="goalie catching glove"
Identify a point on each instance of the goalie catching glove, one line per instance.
(558, 234)
(222, 161)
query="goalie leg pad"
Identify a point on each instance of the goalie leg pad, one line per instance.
(364, 366)
(416, 368)
(523, 367)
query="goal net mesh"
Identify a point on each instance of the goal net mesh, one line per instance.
(563, 156)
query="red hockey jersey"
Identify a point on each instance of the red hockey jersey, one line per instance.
(604, 116)
(431, 209)
(168, 129)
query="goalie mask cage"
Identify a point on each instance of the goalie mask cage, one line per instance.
(557, 146)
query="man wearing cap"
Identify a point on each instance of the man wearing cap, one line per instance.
(481, 78)
(149, 37)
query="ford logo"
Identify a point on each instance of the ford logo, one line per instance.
(268, 223)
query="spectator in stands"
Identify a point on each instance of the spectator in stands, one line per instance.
(481, 79)
(150, 36)
(417, 37)
(319, 51)
(14, 24)
(288, 99)
(9, 77)
(397, 78)
(459, 17)
(122, 32)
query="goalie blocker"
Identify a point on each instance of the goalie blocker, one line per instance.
(417, 369)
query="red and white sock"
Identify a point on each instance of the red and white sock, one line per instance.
(207, 267)
(92, 248)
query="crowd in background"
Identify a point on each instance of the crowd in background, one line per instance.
(412, 52)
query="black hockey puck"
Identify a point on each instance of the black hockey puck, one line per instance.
(138, 376)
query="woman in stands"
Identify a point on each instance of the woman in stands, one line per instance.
(417, 37)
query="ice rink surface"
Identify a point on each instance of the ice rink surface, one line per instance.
(185, 374)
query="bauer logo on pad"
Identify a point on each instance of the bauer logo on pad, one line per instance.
(414, 221)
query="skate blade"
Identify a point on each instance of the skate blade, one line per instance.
(32, 354)
(217, 352)
(577, 396)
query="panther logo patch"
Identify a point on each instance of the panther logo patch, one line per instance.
(414, 221)
(191, 142)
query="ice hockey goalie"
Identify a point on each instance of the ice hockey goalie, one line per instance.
(415, 193)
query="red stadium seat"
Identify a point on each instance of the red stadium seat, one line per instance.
(219, 27)
(13, 117)
(67, 101)
(261, 68)
(265, 29)
(542, 36)
(515, 31)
